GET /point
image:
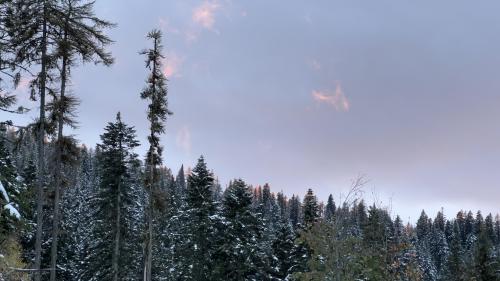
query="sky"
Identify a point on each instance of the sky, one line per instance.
(313, 94)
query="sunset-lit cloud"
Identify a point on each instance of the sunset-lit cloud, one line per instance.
(204, 14)
(183, 139)
(172, 65)
(337, 99)
(166, 26)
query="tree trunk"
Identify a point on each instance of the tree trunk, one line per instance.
(41, 152)
(152, 165)
(116, 253)
(58, 166)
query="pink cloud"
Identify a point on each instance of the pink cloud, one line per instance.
(336, 99)
(167, 27)
(172, 65)
(204, 14)
(183, 139)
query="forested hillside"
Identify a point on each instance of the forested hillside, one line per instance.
(73, 212)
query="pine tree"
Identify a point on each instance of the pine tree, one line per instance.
(78, 220)
(238, 256)
(439, 221)
(81, 36)
(310, 206)
(200, 222)
(180, 184)
(33, 27)
(423, 227)
(283, 206)
(115, 249)
(10, 68)
(10, 191)
(486, 265)
(438, 246)
(294, 211)
(489, 228)
(455, 263)
(330, 209)
(156, 93)
(283, 247)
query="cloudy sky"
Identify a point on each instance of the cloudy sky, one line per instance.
(311, 94)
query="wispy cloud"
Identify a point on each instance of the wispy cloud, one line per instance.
(337, 99)
(172, 65)
(183, 139)
(314, 64)
(166, 26)
(204, 14)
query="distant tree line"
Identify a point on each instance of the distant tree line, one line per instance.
(68, 212)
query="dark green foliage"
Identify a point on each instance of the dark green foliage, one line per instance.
(486, 264)
(423, 227)
(200, 224)
(284, 257)
(310, 208)
(330, 208)
(294, 205)
(10, 195)
(238, 256)
(115, 206)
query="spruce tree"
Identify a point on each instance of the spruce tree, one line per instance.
(239, 256)
(200, 222)
(455, 263)
(423, 227)
(10, 191)
(310, 208)
(294, 211)
(283, 250)
(486, 264)
(114, 248)
(330, 209)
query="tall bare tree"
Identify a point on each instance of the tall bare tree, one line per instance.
(156, 93)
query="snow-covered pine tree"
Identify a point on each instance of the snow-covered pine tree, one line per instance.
(486, 264)
(200, 224)
(295, 210)
(330, 209)
(283, 249)
(10, 191)
(115, 246)
(454, 270)
(310, 208)
(78, 220)
(239, 256)
(438, 246)
(11, 221)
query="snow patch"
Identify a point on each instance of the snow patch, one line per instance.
(4, 192)
(12, 210)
